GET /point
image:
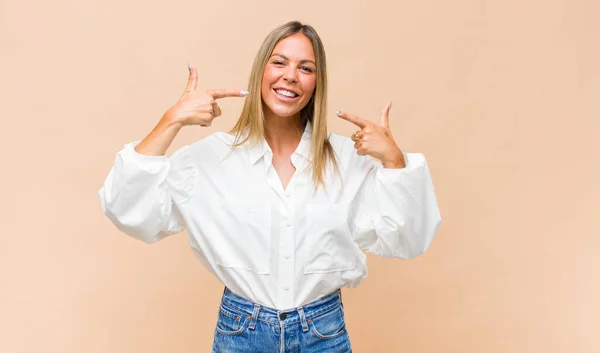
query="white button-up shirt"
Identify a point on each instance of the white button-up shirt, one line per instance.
(278, 247)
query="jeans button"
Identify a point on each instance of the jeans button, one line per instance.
(282, 316)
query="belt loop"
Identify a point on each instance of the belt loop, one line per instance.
(254, 316)
(303, 319)
(341, 302)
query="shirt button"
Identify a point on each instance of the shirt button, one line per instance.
(286, 288)
(288, 223)
(287, 193)
(287, 256)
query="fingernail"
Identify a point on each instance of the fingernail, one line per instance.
(338, 112)
(189, 66)
(245, 93)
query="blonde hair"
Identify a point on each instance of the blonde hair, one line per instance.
(252, 115)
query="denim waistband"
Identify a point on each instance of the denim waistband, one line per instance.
(270, 315)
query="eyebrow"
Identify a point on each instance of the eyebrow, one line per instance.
(301, 61)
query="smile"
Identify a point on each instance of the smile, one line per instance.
(286, 95)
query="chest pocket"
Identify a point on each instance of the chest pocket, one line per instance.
(241, 236)
(330, 245)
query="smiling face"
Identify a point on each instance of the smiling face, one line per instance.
(289, 77)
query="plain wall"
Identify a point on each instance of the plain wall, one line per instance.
(501, 97)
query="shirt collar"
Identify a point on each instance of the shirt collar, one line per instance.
(257, 151)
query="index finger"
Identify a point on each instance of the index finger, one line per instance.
(223, 93)
(360, 122)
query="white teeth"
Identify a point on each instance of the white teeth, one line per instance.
(286, 93)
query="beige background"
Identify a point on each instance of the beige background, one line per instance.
(501, 96)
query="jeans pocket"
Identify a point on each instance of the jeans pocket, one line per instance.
(328, 325)
(230, 322)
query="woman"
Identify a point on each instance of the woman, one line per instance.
(277, 209)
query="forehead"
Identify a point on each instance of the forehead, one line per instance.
(295, 47)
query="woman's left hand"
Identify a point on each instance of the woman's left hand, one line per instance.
(376, 140)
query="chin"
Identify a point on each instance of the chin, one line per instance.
(281, 112)
(285, 113)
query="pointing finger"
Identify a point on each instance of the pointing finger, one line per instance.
(222, 93)
(352, 118)
(193, 79)
(385, 115)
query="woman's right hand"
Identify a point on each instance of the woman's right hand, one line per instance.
(199, 106)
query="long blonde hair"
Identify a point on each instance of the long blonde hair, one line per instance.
(252, 116)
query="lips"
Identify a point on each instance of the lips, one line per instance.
(284, 95)
(286, 92)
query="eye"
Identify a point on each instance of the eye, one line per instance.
(277, 62)
(307, 69)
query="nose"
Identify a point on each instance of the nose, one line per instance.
(290, 75)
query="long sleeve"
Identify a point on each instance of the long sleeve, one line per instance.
(137, 197)
(396, 212)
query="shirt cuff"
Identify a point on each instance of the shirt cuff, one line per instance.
(413, 161)
(148, 163)
(409, 181)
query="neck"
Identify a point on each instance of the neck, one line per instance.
(283, 134)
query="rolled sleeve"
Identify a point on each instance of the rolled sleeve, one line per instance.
(397, 213)
(136, 196)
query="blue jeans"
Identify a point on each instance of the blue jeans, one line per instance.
(244, 327)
